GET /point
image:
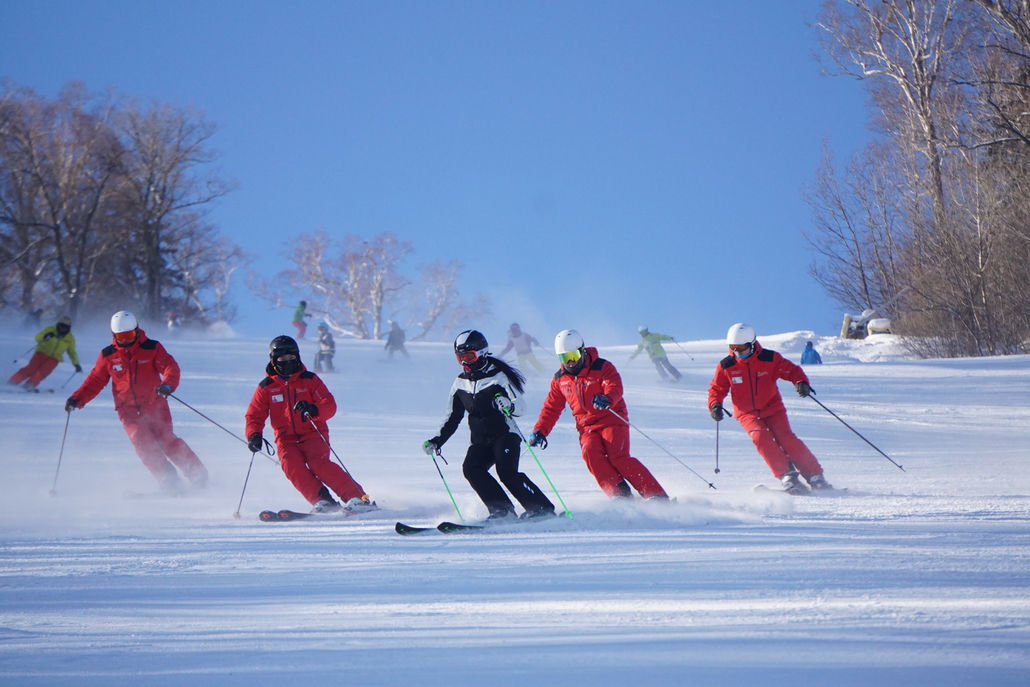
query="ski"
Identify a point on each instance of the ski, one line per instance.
(287, 515)
(406, 530)
(761, 488)
(453, 527)
(459, 528)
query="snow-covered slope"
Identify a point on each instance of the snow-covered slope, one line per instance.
(914, 577)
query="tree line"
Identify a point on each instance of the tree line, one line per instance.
(103, 204)
(355, 285)
(931, 217)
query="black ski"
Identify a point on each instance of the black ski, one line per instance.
(286, 515)
(453, 527)
(406, 530)
(761, 488)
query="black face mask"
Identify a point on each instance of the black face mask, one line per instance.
(63, 329)
(287, 367)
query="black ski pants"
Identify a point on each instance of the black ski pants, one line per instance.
(502, 452)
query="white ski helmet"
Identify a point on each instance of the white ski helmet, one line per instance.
(740, 333)
(567, 341)
(642, 329)
(123, 321)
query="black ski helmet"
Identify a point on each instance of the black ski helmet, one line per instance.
(471, 341)
(284, 345)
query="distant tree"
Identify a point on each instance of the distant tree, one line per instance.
(438, 301)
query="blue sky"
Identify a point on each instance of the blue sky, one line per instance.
(596, 165)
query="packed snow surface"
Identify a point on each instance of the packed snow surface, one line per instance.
(908, 577)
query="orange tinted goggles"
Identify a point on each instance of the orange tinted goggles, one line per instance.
(740, 348)
(125, 337)
(467, 356)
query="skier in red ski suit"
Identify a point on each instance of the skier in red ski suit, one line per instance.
(749, 375)
(592, 388)
(142, 375)
(298, 404)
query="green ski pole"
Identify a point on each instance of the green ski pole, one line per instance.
(538, 463)
(440, 472)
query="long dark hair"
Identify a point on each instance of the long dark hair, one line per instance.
(515, 378)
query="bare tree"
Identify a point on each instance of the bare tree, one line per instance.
(437, 307)
(166, 172)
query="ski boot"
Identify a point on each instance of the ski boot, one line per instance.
(792, 484)
(819, 483)
(360, 504)
(325, 506)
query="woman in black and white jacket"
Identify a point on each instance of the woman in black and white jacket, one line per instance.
(490, 390)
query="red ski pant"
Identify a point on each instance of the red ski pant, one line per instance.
(150, 431)
(38, 369)
(606, 453)
(302, 328)
(308, 466)
(779, 446)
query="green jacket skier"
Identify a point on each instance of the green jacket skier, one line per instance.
(652, 343)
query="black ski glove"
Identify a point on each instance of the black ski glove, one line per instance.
(602, 402)
(717, 412)
(803, 389)
(306, 408)
(255, 443)
(48, 336)
(78, 368)
(538, 439)
(164, 390)
(71, 404)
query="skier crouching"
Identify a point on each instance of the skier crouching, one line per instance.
(489, 390)
(142, 375)
(592, 388)
(749, 375)
(298, 404)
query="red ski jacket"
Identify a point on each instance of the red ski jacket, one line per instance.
(597, 376)
(134, 371)
(275, 397)
(751, 382)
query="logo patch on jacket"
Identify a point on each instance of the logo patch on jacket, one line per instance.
(736, 380)
(277, 398)
(117, 368)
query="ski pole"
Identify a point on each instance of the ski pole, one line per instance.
(661, 447)
(681, 348)
(717, 441)
(538, 463)
(69, 379)
(245, 480)
(322, 437)
(445, 486)
(811, 396)
(53, 489)
(269, 453)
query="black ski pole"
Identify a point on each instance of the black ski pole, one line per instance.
(270, 452)
(322, 437)
(53, 489)
(681, 348)
(69, 379)
(661, 447)
(245, 480)
(811, 396)
(717, 441)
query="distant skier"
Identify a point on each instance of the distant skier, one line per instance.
(298, 404)
(326, 349)
(652, 343)
(298, 319)
(142, 375)
(592, 388)
(523, 344)
(395, 340)
(174, 325)
(486, 389)
(53, 342)
(749, 374)
(32, 319)
(810, 356)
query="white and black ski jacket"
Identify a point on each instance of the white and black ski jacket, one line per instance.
(473, 393)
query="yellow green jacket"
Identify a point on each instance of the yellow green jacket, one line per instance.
(652, 344)
(56, 346)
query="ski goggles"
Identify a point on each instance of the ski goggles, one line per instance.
(570, 357)
(741, 349)
(467, 357)
(125, 337)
